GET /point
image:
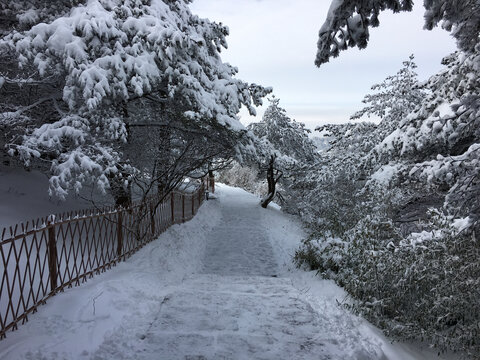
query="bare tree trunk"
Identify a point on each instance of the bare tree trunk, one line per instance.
(164, 160)
(272, 182)
(121, 194)
(211, 178)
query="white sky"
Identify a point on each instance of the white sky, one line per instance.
(273, 43)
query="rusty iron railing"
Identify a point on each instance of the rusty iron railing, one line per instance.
(42, 257)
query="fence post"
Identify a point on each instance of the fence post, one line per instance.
(183, 207)
(52, 256)
(212, 183)
(200, 195)
(193, 205)
(152, 219)
(172, 204)
(119, 234)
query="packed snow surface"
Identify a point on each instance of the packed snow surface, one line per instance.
(24, 197)
(221, 286)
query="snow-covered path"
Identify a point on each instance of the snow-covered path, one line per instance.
(239, 245)
(221, 286)
(225, 317)
(238, 309)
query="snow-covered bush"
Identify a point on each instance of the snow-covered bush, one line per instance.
(439, 278)
(394, 208)
(424, 286)
(245, 177)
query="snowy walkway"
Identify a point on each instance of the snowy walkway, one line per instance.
(239, 245)
(219, 287)
(237, 310)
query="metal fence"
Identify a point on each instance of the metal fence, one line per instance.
(42, 257)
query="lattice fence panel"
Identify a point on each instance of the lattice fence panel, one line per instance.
(25, 275)
(41, 257)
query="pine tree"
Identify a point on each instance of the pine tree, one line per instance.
(396, 97)
(287, 136)
(284, 145)
(78, 71)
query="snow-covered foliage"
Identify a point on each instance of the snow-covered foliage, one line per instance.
(394, 98)
(348, 22)
(112, 50)
(423, 286)
(394, 208)
(245, 177)
(410, 254)
(103, 54)
(438, 143)
(283, 143)
(324, 189)
(288, 137)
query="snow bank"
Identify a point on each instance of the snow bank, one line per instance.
(73, 324)
(352, 334)
(24, 196)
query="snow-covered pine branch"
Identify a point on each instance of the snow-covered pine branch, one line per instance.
(395, 97)
(105, 54)
(348, 22)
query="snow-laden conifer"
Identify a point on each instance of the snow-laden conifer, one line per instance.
(283, 144)
(87, 61)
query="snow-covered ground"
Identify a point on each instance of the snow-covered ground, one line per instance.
(221, 286)
(24, 197)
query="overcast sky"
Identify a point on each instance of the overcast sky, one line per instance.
(273, 43)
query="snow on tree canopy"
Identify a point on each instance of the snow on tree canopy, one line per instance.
(348, 22)
(116, 50)
(280, 135)
(92, 58)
